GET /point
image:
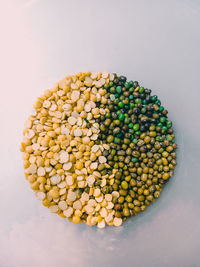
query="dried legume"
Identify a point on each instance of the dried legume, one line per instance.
(98, 149)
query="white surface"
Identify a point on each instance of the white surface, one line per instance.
(154, 42)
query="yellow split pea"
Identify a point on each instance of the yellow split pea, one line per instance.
(59, 151)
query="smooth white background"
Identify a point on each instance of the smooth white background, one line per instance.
(154, 42)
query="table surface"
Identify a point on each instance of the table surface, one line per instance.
(154, 42)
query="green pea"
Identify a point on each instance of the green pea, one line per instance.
(146, 192)
(152, 128)
(158, 102)
(115, 187)
(116, 122)
(159, 124)
(132, 182)
(116, 165)
(119, 89)
(165, 154)
(156, 194)
(129, 198)
(117, 140)
(110, 139)
(169, 148)
(131, 89)
(107, 122)
(126, 85)
(116, 95)
(102, 127)
(116, 101)
(116, 130)
(126, 141)
(130, 125)
(135, 141)
(126, 120)
(120, 105)
(131, 131)
(120, 199)
(131, 97)
(136, 127)
(124, 185)
(152, 133)
(161, 108)
(134, 159)
(128, 178)
(112, 90)
(162, 119)
(141, 89)
(138, 100)
(118, 175)
(126, 212)
(147, 139)
(140, 191)
(169, 124)
(169, 137)
(130, 84)
(123, 192)
(113, 152)
(131, 105)
(143, 208)
(138, 132)
(121, 116)
(110, 84)
(143, 110)
(154, 98)
(131, 205)
(120, 135)
(132, 136)
(136, 202)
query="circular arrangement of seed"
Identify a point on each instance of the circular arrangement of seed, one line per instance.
(98, 149)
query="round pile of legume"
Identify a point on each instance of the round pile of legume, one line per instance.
(98, 149)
